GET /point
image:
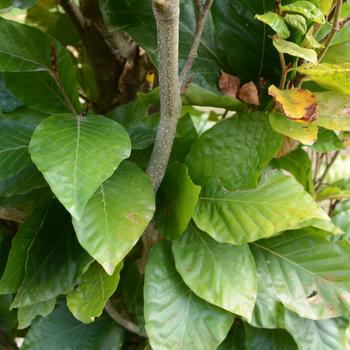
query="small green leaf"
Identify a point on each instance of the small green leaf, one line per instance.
(330, 76)
(178, 200)
(175, 317)
(305, 133)
(327, 141)
(292, 260)
(297, 22)
(95, 287)
(76, 154)
(61, 330)
(290, 48)
(238, 217)
(28, 313)
(118, 212)
(276, 22)
(307, 9)
(224, 152)
(14, 141)
(219, 273)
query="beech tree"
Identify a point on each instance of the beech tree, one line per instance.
(174, 174)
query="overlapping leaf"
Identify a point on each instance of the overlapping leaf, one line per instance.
(76, 154)
(175, 317)
(238, 217)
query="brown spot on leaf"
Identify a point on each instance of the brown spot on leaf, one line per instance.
(229, 84)
(249, 93)
(135, 218)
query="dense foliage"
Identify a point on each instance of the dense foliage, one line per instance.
(252, 218)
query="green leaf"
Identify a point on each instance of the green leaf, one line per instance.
(8, 319)
(224, 152)
(61, 330)
(21, 245)
(14, 141)
(299, 165)
(321, 335)
(305, 133)
(178, 197)
(54, 260)
(327, 141)
(219, 273)
(26, 116)
(297, 22)
(23, 4)
(76, 154)
(235, 338)
(230, 21)
(290, 48)
(118, 212)
(239, 217)
(29, 51)
(267, 339)
(8, 102)
(334, 110)
(330, 76)
(95, 287)
(276, 22)
(341, 217)
(175, 317)
(308, 272)
(28, 313)
(307, 9)
(337, 53)
(325, 6)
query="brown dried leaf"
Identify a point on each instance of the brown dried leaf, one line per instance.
(249, 93)
(229, 84)
(288, 146)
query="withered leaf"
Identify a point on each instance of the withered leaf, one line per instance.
(249, 93)
(229, 84)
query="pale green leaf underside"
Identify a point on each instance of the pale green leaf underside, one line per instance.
(116, 216)
(76, 154)
(176, 319)
(238, 217)
(219, 273)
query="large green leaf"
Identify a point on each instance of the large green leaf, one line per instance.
(14, 141)
(175, 317)
(8, 102)
(290, 48)
(116, 216)
(61, 330)
(29, 51)
(235, 151)
(222, 274)
(230, 21)
(308, 272)
(178, 200)
(238, 217)
(54, 259)
(28, 313)
(76, 154)
(95, 287)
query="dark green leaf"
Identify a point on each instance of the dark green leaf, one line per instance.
(62, 147)
(235, 338)
(235, 151)
(327, 141)
(8, 102)
(8, 319)
(175, 317)
(222, 274)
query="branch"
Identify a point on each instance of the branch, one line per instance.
(328, 166)
(74, 14)
(203, 11)
(334, 30)
(115, 316)
(167, 13)
(284, 71)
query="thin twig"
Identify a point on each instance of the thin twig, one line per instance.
(334, 30)
(118, 318)
(284, 71)
(328, 167)
(202, 15)
(75, 15)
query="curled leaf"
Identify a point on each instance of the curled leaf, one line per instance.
(229, 84)
(249, 93)
(297, 104)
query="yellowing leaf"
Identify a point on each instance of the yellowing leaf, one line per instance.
(297, 104)
(331, 76)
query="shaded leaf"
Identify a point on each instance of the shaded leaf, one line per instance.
(175, 317)
(239, 217)
(23, 4)
(276, 22)
(235, 151)
(177, 201)
(118, 212)
(219, 273)
(297, 22)
(61, 148)
(8, 102)
(312, 290)
(235, 338)
(297, 104)
(95, 287)
(8, 319)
